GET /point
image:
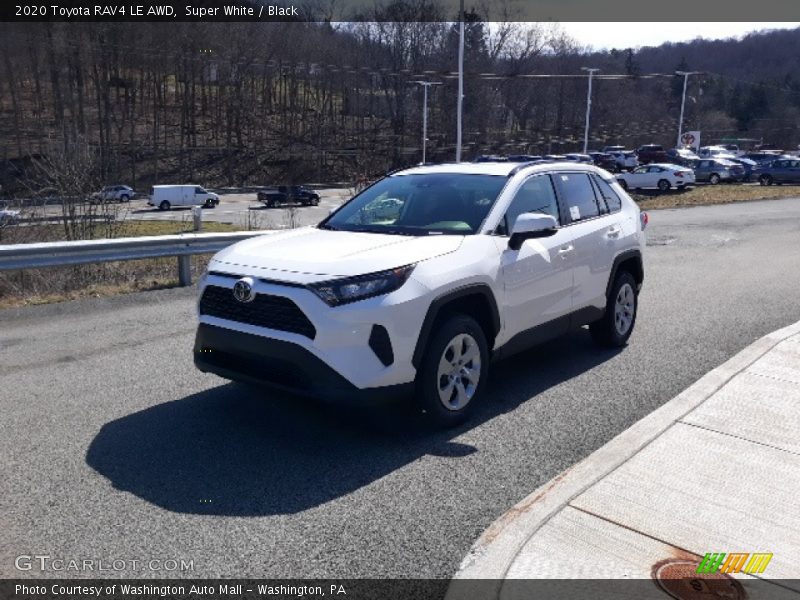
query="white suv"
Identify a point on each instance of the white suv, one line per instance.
(472, 263)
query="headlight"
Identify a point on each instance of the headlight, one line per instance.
(352, 289)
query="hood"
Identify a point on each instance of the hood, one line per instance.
(297, 254)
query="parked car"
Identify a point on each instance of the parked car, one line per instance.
(651, 153)
(682, 156)
(716, 170)
(581, 158)
(764, 157)
(715, 152)
(783, 170)
(611, 149)
(490, 158)
(605, 161)
(751, 168)
(165, 197)
(361, 311)
(554, 157)
(662, 176)
(523, 157)
(8, 216)
(113, 193)
(626, 159)
(294, 194)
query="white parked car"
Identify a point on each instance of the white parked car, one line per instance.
(165, 197)
(8, 216)
(715, 152)
(114, 193)
(626, 159)
(480, 261)
(657, 175)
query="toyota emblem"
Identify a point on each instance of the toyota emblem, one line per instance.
(243, 290)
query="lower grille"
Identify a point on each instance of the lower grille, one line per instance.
(273, 312)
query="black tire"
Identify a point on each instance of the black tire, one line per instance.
(623, 184)
(713, 179)
(270, 202)
(315, 201)
(164, 205)
(664, 185)
(124, 198)
(430, 383)
(605, 332)
(765, 180)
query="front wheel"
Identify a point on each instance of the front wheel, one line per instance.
(623, 184)
(453, 373)
(714, 179)
(124, 198)
(616, 325)
(164, 205)
(765, 180)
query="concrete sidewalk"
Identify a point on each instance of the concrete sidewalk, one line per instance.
(716, 469)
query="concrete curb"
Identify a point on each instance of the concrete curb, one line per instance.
(494, 552)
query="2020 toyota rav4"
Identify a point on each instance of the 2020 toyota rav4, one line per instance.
(414, 285)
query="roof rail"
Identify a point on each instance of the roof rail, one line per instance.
(533, 163)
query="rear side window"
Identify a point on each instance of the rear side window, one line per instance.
(607, 193)
(578, 196)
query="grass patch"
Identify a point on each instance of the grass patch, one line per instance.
(702, 195)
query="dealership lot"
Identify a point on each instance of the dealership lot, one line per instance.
(114, 447)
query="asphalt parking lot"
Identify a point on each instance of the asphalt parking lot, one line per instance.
(113, 446)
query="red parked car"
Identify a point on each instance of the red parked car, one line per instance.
(650, 153)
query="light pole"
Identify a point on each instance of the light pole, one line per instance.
(425, 85)
(460, 108)
(683, 101)
(588, 107)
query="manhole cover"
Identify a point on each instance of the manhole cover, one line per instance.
(679, 579)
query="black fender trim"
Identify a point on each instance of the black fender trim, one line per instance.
(436, 306)
(618, 260)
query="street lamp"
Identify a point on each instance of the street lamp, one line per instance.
(588, 107)
(460, 108)
(425, 85)
(683, 101)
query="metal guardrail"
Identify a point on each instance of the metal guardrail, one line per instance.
(54, 254)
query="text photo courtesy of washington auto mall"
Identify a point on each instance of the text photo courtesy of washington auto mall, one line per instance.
(399, 299)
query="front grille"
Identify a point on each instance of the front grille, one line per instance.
(274, 312)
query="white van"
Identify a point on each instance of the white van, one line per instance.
(167, 196)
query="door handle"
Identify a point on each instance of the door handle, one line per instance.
(613, 231)
(564, 250)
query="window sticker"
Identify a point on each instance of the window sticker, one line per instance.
(574, 213)
(565, 178)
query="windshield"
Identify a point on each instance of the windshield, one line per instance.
(422, 204)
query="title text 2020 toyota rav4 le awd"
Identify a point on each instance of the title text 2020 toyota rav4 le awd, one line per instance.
(417, 283)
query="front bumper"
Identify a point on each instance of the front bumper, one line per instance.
(283, 365)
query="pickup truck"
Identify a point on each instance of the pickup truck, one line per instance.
(295, 194)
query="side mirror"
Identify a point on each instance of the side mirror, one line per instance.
(529, 226)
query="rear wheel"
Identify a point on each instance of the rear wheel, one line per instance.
(164, 205)
(453, 373)
(664, 185)
(616, 325)
(713, 179)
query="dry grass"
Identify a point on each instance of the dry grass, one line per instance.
(712, 194)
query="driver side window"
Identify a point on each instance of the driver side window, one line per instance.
(535, 195)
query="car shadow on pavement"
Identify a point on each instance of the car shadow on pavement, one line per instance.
(236, 450)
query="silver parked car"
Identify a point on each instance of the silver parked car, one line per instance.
(114, 193)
